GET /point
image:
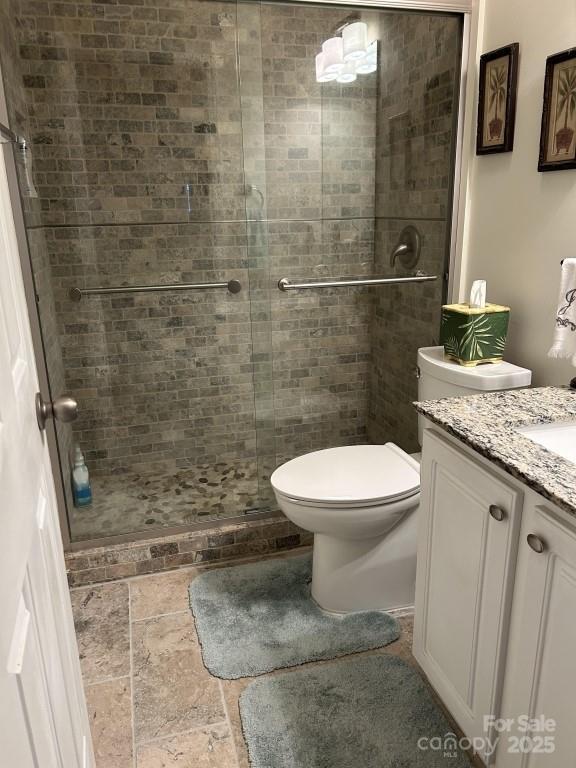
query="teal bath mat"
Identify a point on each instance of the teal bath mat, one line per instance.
(368, 712)
(255, 618)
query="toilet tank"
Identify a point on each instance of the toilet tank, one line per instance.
(441, 377)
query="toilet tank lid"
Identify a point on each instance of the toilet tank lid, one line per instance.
(489, 377)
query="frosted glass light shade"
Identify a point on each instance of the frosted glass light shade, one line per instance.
(348, 74)
(366, 67)
(321, 75)
(369, 63)
(354, 41)
(333, 55)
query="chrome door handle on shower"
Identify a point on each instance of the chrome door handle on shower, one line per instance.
(285, 285)
(233, 286)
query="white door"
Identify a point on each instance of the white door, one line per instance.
(43, 719)
(541, 666)
(468, 531)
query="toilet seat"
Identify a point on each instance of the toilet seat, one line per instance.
(349, 477)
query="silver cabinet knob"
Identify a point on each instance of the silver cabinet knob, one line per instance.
(535, 543)
(63, 408)
(497, 512)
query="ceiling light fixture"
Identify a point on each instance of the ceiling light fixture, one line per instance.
(343, 58)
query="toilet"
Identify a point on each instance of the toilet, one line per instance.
(361, 501)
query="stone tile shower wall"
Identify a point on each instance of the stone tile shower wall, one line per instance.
(418, 89)
(133, 104)
(164, 378)
(319, 151)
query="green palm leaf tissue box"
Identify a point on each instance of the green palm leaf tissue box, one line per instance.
(475, 332)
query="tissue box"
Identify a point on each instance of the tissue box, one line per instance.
(473, 335)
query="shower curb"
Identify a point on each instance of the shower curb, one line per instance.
(222, 543)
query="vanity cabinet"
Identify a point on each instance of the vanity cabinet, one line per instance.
(495, 614)
(541, 662)
(468, 534)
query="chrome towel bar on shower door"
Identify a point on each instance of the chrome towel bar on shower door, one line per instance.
(286, 285)
(233, 286)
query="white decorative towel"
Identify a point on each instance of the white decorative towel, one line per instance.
(564, 342)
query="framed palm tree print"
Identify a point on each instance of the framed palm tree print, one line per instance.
(558, 133)
(497, 100)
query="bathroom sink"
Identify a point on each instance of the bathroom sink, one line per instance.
(559, 438)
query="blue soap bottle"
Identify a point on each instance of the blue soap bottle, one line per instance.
(81, 489)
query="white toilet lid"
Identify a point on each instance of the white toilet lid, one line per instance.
(349, 475)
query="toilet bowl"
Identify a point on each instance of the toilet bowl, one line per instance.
(360, 502)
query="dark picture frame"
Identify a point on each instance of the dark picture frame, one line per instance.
(497, 100)
(558, 131)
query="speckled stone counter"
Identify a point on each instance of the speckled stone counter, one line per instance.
(489, 423)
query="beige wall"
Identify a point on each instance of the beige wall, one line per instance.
(522, 223)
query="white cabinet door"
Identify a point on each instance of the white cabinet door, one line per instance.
(541, 666)
(43, 719)
(464, 581)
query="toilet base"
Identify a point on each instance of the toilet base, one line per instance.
(371, 574)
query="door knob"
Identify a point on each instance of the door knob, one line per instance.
(63, 408)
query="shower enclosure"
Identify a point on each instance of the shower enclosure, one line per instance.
(185, 158)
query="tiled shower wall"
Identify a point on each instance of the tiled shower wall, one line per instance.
(417, 108)
(136, 124)
(11, 66)
(320, 144)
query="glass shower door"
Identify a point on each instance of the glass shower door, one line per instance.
(141, 185)
(320, 160)
(191, 144)
(349, 164)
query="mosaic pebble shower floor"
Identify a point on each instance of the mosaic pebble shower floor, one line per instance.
(149, 501)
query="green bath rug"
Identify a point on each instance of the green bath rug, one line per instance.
(255, 618)
(368, 712)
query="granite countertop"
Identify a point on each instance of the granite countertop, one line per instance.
(488, 423)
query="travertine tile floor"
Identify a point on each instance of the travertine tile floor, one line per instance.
(152, 703)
